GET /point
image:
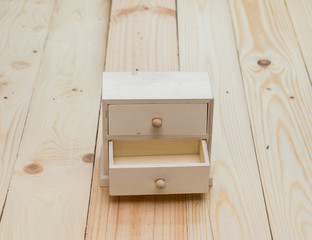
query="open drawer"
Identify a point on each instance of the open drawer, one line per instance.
(162, 166)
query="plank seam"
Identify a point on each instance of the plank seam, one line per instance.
(92, 175)
(178, 42)
(208, 199)
(186, 216)
(6, 196)
(107, 35)
(98, 125)
(179, 69)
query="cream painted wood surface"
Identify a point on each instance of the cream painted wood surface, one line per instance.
(301, 17)
(155, 146)
(177, 119)
(152, 160)
(139, 179)
(184, 152)
(49, 192)
(23, 31)
(235, 208)
(158, 217)
(123, 86)
(279, 97)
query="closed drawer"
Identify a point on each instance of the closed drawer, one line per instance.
(172, 119)
(167, 166)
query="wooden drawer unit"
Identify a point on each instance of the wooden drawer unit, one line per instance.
(156, 133)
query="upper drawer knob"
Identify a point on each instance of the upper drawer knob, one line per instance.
(156, 122)
(160, 183)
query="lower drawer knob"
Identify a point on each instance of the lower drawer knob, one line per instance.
(160, 183)
(156, 122)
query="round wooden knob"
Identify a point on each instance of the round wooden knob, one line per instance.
(160, 183)
(156, 122)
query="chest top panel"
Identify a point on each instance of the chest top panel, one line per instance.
(156, 86)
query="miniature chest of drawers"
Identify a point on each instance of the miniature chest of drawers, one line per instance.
(156, 132)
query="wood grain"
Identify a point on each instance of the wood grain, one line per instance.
(49, 193)
(235, 203)
(279, 98)
(300, 13)
(142, 36)
(23, 30)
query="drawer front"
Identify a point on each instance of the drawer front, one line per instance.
(170, 175)
(142, 181)
(169, 119)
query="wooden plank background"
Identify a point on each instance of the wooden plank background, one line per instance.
(23, 37)
(142, 37)
(279, 97)
(236, 196)
(259, 58)
(49, 191)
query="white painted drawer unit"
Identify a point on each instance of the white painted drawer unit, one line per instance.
(156, 132)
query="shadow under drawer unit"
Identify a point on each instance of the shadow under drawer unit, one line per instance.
(156, 132)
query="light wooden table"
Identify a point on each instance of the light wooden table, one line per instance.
(259, 56)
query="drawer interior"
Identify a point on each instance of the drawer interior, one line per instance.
(158, 152)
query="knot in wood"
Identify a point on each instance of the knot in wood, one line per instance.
(88, 158)
(4, 83)
(33, 168)
(19, 65)
(264, 63)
